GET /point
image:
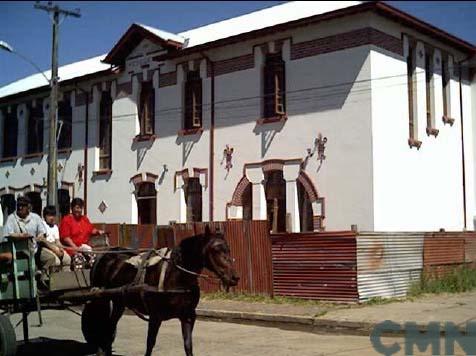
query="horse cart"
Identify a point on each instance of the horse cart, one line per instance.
(19, 292)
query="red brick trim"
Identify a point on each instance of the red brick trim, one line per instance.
(149, 178)
(272, 120)
(141, 138)
(311, 191)
(183, 173)
(236, 200)
(232, 65)
(351, 39)
(188, 132)
(167, 79)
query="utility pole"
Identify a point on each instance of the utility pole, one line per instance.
(53, 112)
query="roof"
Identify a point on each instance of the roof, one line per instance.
(66, 72)
(258, 23)
(271, 16)
(136, 33)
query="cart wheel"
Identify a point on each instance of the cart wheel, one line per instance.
(8, 339)
(96, 324)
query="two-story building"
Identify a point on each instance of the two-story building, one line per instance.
(313, 115)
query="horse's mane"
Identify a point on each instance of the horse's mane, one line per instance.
(189, 251)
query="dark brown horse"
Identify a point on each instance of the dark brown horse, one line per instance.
(179, 298)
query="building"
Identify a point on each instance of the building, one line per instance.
(314, 115)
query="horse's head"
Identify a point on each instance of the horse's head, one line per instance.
(218, 259)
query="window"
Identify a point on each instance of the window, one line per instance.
(247, 201)
(305, 209)
(147, 109)
(193, 199)
(445, 86)
(10, 133)
(65, 124)
(147, 203)
(274, 86)
(105, 131)
(8, 205)
(193, 101)
(412, 124)
(36, 203)
(64, 202)
(35, 129)
(275, 191)
(430, 115)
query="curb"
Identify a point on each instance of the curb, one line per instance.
(316, 325)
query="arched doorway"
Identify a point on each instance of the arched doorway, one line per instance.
(275, 192)
(8, 203)
(64, 202)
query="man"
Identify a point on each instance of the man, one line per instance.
(51, 244)
(76, 230)
(24, 224)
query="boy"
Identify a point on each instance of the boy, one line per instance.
(51, 245)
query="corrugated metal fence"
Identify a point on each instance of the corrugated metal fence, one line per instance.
(388, 263)
(315, 266)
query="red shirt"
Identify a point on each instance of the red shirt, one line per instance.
(79, 230)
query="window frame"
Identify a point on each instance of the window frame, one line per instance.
(10, 138)
(65, 114)
(274, 86)
(35, 144)
(105, 153)
(193, 101)
(142, 197)
(147, 109)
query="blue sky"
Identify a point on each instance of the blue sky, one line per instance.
(102, 23)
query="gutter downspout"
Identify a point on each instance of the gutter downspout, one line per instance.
(212, 141)
(462, 137)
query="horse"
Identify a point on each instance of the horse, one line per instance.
(180, 289)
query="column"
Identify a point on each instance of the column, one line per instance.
(181, 194)
(256, 177)
(290, 174)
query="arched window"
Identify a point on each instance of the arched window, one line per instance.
(193, 199)
(147, 203)
(65, 122)
(8, 205)
(247, 201)
(305, 209)
(35, 129)
(64, 202)
(105, 131)
(275, 191)
(36, 203)
(10, 133)
(147, 108)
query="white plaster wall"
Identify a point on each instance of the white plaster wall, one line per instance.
(414, 190)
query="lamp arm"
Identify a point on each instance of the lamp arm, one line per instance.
(34, 65)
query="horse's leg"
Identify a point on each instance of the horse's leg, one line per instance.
(117, 311)
(154, 325)
(187, 328)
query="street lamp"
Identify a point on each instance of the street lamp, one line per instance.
(52, 154)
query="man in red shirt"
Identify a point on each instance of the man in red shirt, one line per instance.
(76, 229)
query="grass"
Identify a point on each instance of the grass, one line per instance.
(458, 280)
(256, 298)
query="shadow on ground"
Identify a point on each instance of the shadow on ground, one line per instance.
(54, 347)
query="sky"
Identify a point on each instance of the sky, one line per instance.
(102, 23)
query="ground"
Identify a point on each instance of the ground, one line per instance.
(61, 335)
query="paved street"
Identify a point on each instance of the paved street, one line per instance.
(61, 335)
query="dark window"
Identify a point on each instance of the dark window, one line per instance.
(305, 209)
(147, 203)
(410, 73)
(147, 109)
(10, 133)
(428, 78)
(247, 201)
(65, 122)
(445, 86)
(274, 86)
(8, 205)
(193, 101)
(35, 129)
(193, 199)
(64, 202)
(105, 131)
(275, 189)
(36, 203)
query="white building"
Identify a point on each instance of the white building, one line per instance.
(146, 127)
